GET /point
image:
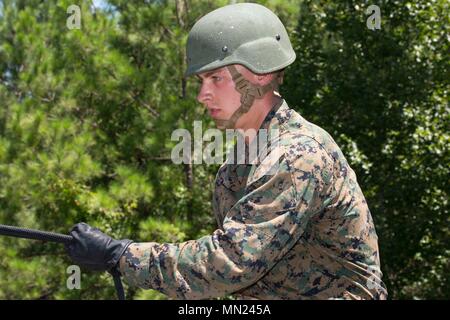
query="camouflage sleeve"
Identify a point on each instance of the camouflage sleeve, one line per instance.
(258, 231)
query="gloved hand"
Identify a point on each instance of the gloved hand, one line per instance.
(94, 250)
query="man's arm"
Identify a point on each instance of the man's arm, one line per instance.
(257, 232)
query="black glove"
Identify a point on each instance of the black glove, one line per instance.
(94, 250)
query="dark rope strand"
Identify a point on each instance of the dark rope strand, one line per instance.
(26, 233)
(34, 234)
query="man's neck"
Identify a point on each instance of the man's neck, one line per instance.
(259, 111)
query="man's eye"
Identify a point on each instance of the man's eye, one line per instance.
(217, 78)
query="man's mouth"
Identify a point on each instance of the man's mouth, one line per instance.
(213, 112)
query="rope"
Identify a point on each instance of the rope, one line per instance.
(17, 232)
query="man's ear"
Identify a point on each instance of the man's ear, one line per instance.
(264, 79)
(280, 76)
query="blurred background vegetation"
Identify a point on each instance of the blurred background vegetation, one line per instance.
(86, 117)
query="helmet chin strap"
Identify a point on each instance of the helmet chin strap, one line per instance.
(249, 92)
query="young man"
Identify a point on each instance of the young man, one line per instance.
(295, 228)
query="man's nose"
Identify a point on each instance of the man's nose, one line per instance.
(204, 94)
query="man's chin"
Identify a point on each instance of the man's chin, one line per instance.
(221, 124)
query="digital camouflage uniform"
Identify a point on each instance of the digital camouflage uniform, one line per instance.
(302, 232)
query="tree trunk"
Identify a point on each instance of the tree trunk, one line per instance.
(181, 8)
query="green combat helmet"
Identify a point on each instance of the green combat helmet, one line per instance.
(247, 34)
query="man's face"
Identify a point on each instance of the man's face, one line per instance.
(218, 94)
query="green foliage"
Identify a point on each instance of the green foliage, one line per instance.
(86, 118)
